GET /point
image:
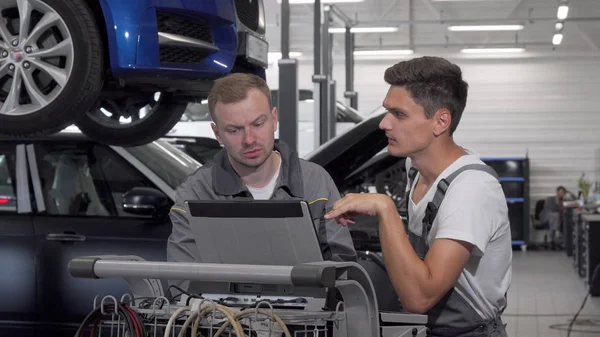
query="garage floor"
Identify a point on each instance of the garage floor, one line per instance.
(546, 291)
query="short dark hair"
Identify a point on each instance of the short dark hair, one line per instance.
(559, 188)
(234, 88)
(434, 83)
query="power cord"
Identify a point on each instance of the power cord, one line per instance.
(132, 321)
(587, 322)
(181, 292)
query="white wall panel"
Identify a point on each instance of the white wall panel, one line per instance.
(546, 108)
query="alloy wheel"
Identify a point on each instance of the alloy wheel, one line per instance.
(36, 56)
(125, 111)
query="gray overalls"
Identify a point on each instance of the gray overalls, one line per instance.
(452, 315)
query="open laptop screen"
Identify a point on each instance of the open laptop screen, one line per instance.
(264, 232)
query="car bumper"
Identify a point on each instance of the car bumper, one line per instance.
(190, 39)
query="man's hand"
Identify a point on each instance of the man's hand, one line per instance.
(369, 204)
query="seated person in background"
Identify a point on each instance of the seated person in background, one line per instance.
(552, 214)
(252, 165)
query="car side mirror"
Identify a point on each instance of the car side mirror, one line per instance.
(146, 201)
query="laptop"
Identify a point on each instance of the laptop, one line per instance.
(259, 232)
(264, 232)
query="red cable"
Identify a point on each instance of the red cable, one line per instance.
(136, 320)
(93, 332)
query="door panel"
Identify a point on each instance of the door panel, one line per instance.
(58, 289)
(17, 283)
(17, 247)
(81, 185)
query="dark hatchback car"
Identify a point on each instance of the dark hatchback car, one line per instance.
(65, 196)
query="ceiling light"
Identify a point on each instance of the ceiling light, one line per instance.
(557, 39)
(293, 2)
(274, 56)
(379, 52)
(365, 30)
(563, 12)
(278, 54)
(491, 50)
(558, 26)
(483, 28)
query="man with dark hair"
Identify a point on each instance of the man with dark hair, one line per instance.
(552, 215)
(253, 165)
(452, 259)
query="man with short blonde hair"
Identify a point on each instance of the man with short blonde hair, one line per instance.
(253, 165)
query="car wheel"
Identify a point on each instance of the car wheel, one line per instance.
(392, 181)
(132, 120)
(51, 65)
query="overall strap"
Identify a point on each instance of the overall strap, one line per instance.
(434, 205)
(443, 185)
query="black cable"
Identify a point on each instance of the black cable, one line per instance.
(181, 291)
(128, 321)
(187, 302)
(594, 279)
(582, 323)
(87, 320)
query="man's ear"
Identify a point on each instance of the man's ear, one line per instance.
(215, 129)
(443, 120)
(275, 115)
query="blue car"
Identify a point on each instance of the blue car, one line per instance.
(122, 71)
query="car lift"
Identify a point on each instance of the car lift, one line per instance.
(324, 85)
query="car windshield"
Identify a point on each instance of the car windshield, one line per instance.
(172, 165)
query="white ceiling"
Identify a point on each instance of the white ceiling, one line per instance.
(423, 25)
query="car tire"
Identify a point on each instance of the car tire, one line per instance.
(167, 112)
(82, 84)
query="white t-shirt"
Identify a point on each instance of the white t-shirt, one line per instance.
(474, 210)
(265, 192)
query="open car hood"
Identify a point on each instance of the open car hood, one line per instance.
(344, 154)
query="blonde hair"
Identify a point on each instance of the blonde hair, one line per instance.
(234, 88)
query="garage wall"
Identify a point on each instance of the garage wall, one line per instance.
(548, 109)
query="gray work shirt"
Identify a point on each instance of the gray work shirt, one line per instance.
(298, 179)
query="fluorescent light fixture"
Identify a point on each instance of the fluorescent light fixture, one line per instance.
(557, 39)
(381, 52)
(484, 28)
(491, 50)
(563, 12)
(293, 2)
(275, 55)
(364, 30)
(558, 26)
